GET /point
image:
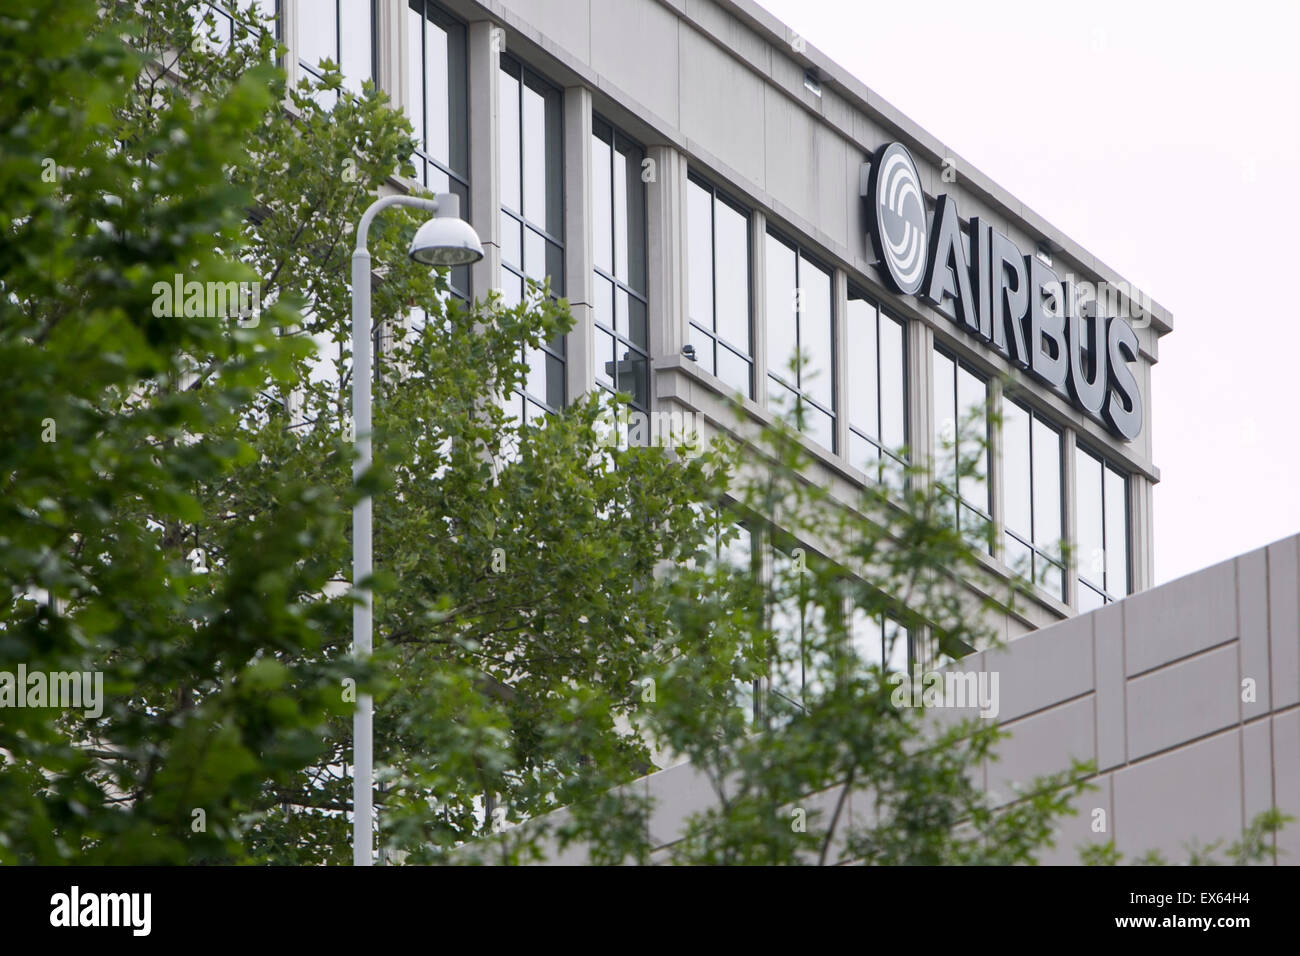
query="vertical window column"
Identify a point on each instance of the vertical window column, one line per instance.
(800, 360)
(1032, 499)
(532, 217)
(875, 389)
(621, 360)
(1102, 520)
(438, 107)
(960, 425)
(718, 246)
(341, 31)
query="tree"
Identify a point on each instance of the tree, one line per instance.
(553, 608)
(118, 410)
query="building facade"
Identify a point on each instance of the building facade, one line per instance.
(698, 182)
(711, 194)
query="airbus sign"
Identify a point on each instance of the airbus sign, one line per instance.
(980, 279)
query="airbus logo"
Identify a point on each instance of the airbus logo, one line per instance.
(898, 205)
(980, 280)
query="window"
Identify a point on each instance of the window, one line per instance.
(622, 357)
(1101, 517)
(798, 630)
(341, 31)
(223, 14)
(717, 246)
(438, 108)
(879, 639)
(1031, 470)
(876, 397)
(961, 437)
(799, 317)
(532, 217)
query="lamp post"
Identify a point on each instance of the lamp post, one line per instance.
(445, 240)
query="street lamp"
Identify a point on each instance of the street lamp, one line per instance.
(445, 240)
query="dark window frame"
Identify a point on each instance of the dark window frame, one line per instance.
(338, 41)
(716, 196)
(616, 136)
(1035, 549)
(556, 348)
(1108, 595)
(986, 512)
(857, 292)
(802, 253)
(459, 278)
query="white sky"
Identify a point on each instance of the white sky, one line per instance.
(1163, 138)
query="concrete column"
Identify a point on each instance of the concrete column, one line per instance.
(839, 348)
(758, 299)
(484, 162)
(997, 487)
(1069, 497)
(289, 13)
(920, 395)
(580, 343)
(1141, 533)
(667, 255)
(390, 48)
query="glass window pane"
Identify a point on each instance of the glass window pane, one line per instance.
(945, 419)
(620, 183)
(867, 636)
(637, 330)
(819, 426)
(1047, 488)
(862, 364)
(780, 399)
(508, 122)
(974, 528)
(318, 37)
(703, 349)
(781, 328)
(512, 289)
(555, 268)
(896, 649)
(1089, 599)
(732, 254)
(355, 51)
(535, 381)
(863, 454)
(512, 249)
(439, 182)
(972, 400)
(1017, 556)
(633, 375)
(1016, 470)
(534, 255)
(540, 155)
(604, 305)
(602, 215)
(735, 371)
(699, 250)
(437, 95)
(554, 381)
(414, 71)
(893, 388)
(533, 154)
(816, 378)
(1117, 582)
(1049, 576)
(633, 212)
(604, 359)
(1088, 518)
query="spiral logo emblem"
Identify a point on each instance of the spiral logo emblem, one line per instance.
(898, 210)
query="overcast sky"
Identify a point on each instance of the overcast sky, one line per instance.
(1163, 138)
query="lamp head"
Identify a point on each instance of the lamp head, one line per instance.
(446, 239)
